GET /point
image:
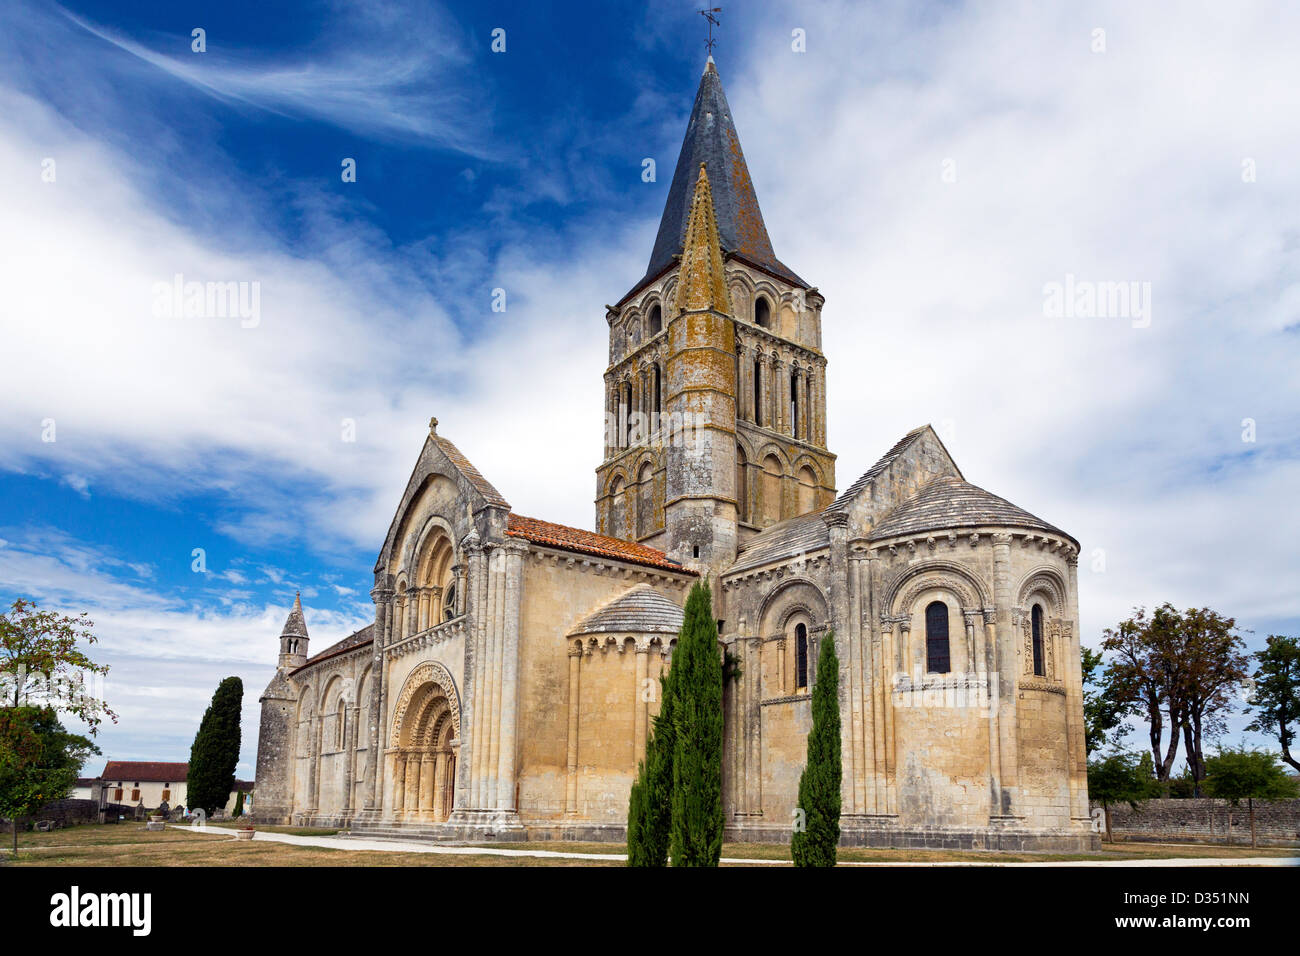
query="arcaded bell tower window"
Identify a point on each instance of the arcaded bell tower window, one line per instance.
(762, 312)
(655, 324)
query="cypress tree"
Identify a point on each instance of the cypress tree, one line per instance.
(819, 785)
(650, 805)
(239, 805)
(216, 749)
(697, 817)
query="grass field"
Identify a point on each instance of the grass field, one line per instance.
(129, 844)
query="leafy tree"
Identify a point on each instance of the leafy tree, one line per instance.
(42, 663)
(1120, 778)
(650, 807)
(697, 818)
(216, 749)
(1215, 666)
(1250, 775)
(815, 843)
(239, 805)
(1145, 673)
(1185, 666)
(1276, 696)
(39, 761)
(1103, 711)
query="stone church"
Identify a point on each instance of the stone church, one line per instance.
(508, 683)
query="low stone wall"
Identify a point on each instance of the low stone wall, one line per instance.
(1206, 820)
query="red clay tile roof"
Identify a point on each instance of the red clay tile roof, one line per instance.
(588, 542)
(145, 771)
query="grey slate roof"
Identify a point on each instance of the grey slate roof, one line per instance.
(711, 139)
(295, 625)
(786, 539)
(639, 610)
(950, 502)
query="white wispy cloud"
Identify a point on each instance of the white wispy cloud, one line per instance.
(1122, 166)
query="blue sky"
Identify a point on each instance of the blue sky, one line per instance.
(929, 167)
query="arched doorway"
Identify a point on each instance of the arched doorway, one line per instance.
(424, 748)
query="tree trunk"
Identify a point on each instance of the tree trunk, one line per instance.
(1286, 756)
(1189, 742)
(1110, 837)
(1250, 801)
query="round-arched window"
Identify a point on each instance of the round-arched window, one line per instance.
(937, 656)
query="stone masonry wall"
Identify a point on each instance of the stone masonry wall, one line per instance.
(1205, 819)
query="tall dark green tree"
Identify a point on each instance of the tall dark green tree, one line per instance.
(650, 807)
(1276, 695)
(697, 817)
(216, 749)
(817, 834)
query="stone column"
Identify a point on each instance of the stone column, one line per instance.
(428, 775)
(781, 396)
(466, 765)
(412, 799)
(313, 788)
(908, 652)
(571, 784)
(458, 575)
(349, 751)
(488, 742)
(1071, 661)
(772, 393)
(641, 711)
(891, 662)
(509, 675)
(844, 610)
(989, 663)
(399, 781)
(859, 708)
(1006, 668)
(753, 724)
(971, 617)
(744, 383)
(371, 775)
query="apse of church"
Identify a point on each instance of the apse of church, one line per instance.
(509, 680)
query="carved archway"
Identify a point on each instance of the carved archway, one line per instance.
(424, 744)
(418, 682)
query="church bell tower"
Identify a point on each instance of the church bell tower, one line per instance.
(715, 410)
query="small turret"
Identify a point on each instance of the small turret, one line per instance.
(293, 639)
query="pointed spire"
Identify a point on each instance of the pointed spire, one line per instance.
(702, 282)
(711, 140)
(295, 624)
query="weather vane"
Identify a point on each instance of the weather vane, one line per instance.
(713, 22)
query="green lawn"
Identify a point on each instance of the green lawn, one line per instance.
(130, 844)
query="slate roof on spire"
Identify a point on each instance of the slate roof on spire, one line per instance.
(711, 139)
(295, 625)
